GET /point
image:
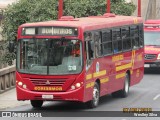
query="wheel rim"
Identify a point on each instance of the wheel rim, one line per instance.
(126, 85)
(95, 96)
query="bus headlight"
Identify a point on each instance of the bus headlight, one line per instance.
(158, 58)
(20, 83)
(78, 85)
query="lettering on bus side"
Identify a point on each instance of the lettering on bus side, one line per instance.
(140, 57)
(153, 49)
(137, 73)
(41, 88)
(118, 63)
(117, 58)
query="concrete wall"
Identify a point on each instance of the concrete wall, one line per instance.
(7, 74)
(7, 78)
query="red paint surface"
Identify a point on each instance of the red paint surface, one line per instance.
(84, 94)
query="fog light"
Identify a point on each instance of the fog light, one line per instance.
(20, 83)
(24, 86)
(73, 87)
(78, 85)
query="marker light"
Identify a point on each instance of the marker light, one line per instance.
(20, 83)
(73, 87)
(158, 57)
(24, 86)
(78, 85)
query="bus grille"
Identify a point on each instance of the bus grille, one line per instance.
(150, 56)
(48, 82)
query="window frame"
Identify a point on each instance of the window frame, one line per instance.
(130, 37)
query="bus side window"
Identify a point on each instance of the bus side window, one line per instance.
(134, 36)
(126, 38)
(141, 36)
(117, 40)
(97, 42)
(89, 48)
(106, 42)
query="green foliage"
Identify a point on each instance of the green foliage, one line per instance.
(123, 9)
(41, 10)
(6, 57)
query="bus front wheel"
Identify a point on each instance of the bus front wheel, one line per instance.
(95, 100)
(125, 91)
(36, 103)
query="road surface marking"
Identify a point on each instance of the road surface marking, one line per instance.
(156, 97)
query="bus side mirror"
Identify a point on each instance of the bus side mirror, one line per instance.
(11, 46)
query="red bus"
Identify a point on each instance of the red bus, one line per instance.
(110, 58)
(152, 43)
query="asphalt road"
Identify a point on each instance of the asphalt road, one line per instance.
(143, 95)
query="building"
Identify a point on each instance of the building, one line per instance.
(150, 8)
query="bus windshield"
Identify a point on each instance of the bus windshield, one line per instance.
(49, 56)
(152, 38)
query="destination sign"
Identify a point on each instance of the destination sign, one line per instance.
(57, 31)
(48, 88)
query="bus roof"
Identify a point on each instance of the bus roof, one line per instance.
(152, 25)
(152, 22)
(89, 23)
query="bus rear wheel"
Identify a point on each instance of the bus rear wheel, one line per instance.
(95, 100)
(125, 91)
(36, 103)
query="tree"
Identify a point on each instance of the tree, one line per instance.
(41, 10)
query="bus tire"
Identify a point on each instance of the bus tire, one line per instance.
(125, 91)
(36, 103)
(96, 94)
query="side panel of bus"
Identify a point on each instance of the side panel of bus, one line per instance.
(116, 51)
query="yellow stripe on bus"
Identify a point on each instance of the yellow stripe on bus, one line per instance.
(135, 21)
(133, 58)
(129, 65)
(104, 80)
(126, 66)
(91, 84)
(89, 76)
(100, 73)
(120, 75)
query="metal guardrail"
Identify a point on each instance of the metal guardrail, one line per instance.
(7, 78)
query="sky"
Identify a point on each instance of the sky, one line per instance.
(6, 2)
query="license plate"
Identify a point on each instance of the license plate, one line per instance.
(47, 96)
(146, 65)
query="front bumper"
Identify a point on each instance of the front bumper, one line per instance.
(74, 95)
(155, 64)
